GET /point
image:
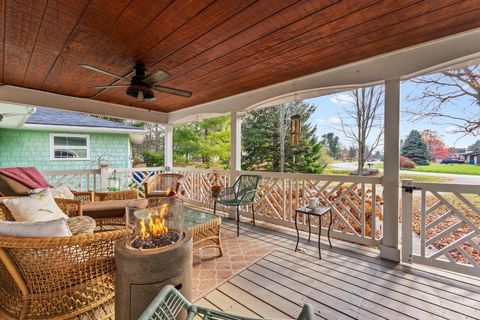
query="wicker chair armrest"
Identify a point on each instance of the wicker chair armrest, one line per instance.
(150, 184)
(116, 195)
(54, 242)
(71, 208)
(84, 195)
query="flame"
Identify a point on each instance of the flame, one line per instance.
(156, 223)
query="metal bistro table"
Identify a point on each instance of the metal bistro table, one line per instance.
(318, 212)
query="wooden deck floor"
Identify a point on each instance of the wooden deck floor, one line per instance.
(349, 282)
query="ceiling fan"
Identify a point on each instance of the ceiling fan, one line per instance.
(142, 86)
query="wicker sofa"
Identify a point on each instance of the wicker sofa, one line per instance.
(58, 278)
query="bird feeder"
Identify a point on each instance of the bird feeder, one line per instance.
(295, 130)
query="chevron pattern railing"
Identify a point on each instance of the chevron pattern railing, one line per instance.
(442, 225)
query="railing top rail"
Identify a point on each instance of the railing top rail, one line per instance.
(445, 186)
(313, 176)
(190, 169)
(127, 170)
(70, 172)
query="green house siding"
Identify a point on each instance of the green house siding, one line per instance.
(31, 148)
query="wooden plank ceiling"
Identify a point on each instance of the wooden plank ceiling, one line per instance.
(213, 48)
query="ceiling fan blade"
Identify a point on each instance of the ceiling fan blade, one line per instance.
(111, 86)
(157, 76)
(173, 91)
(87, 66)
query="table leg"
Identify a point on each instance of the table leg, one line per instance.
(319, 236)
(309, 227)
(329, 227)
(296, 228)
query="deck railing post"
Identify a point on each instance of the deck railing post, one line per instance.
(407, 198)
(103, 177)
(168, 151)
(389, 248)
(235, 148)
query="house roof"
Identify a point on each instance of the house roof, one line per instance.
(74, 119)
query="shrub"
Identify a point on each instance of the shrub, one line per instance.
(406, 163)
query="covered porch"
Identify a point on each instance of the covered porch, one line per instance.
(238, 56)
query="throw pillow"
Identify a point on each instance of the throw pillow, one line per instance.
(81, 225)
(60, 192)
(34, 208)
(44, 229)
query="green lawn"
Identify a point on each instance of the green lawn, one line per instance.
(424, 178)
(469, 169)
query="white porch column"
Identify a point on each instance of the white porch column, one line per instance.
(389, 248)
(235, 145)
(168, 154)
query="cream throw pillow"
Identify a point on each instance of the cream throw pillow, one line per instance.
(34, 208)
(44, 229)
(60, 192)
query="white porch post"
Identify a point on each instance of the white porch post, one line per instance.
(235, 146)
(389, 248)
(168, 154)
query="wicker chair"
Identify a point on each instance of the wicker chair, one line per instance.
(157, 185)
(169, 305)
(58, 278)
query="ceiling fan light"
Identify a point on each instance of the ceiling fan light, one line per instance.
(141, 93)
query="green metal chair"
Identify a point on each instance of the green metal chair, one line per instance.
(169, 303)
(242, 193)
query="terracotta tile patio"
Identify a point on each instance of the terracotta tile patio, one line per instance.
(209, 271)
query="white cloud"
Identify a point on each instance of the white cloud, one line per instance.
(334, 120)
(451, 129)
(320, 121)
(342, 98)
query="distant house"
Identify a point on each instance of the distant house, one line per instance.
(59, 140)
(472, 157)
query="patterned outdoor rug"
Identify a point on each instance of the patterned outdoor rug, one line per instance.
(209, 271)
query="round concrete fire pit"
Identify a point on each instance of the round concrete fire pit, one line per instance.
(141, 274)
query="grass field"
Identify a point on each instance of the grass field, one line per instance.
(416, 177)
(468, 169)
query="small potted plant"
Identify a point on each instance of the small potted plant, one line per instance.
(215, 188)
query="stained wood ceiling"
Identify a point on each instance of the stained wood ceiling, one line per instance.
(213, 48)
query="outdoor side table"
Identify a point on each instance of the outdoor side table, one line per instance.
(318, 212)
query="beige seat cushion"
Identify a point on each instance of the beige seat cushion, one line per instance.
(10, 187)
(42, 229)
(105, 209)
(81, 225)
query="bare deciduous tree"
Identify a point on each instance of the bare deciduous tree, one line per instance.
(440, 94)
(359, 120)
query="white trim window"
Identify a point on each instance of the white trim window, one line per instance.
(69, 146)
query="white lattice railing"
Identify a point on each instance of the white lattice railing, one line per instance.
(79, 180)
(355, 201)
(441, 225)
(134, 178)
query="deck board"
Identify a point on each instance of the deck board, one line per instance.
(348, 283)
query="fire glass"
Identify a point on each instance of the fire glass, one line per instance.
(154, 222)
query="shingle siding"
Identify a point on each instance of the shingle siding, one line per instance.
(25, 148)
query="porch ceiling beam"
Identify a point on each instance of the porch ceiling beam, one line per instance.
(35, 98)
(402, 64)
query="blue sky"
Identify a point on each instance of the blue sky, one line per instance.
(328, 108)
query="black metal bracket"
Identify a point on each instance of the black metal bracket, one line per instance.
(409, 189)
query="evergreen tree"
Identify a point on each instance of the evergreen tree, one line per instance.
(262, 130)
(415, 148)
(475, 146)
(332, 142)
